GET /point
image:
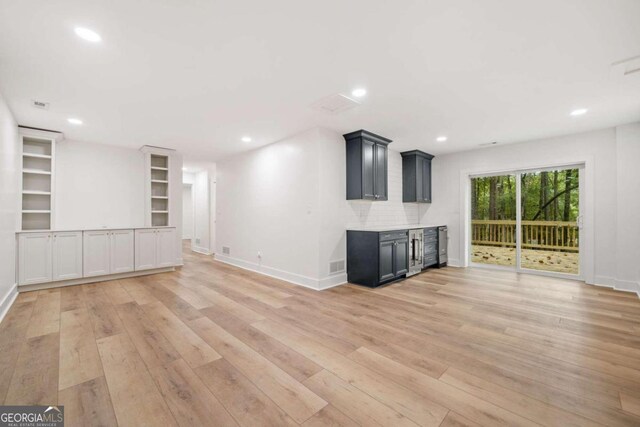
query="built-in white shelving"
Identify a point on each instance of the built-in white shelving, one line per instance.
(37, 183)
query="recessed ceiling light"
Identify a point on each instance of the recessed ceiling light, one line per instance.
(88, 35)
(246, 139)
(184, 169)
(359, 93)
(74, 121)
(441, 138)
(579, 112)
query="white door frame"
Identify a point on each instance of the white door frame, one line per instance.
(587, 207)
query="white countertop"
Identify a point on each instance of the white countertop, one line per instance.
(393, 227)
(91, 229)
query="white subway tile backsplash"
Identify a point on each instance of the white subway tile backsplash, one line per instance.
(363, 213)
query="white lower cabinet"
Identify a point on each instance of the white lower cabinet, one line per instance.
(34, 258)
(96, 253)
(48, 257)
(155, 248)
(67, 255)
(121, 251)
(51, 256)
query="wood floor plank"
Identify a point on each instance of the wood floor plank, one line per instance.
(248, 405)
(533, 409)
(138, 291)
(116, 293)
(152, 346)
(79, 358)
(330, 416)
(35, 378)
(456, 420)
(46, 314)
(363, 408)
(103, 315)
(451, 397)
(190, 346)
(631, 404)
(13, 330)
(88, 404)
(295, 399)
(186, 294)
(190, 401)
(415, 407)
(290, 361)
(136, 400)
(227, 304)
(71, 298)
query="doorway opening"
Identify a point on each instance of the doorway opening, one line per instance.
(188, 215)
(528, 221)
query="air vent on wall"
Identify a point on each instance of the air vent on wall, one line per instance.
(226, 250)
(335, 104)
(336, 266)
(40, 104)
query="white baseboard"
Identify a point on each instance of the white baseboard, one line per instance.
(296, 279)
(618, 285)
(201, 250)
(8, 300)
(454, 263)
(85, 280)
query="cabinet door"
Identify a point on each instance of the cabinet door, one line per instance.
(386, 260)
(368, 170)
(426, 180)
(146, 249)
(166, 247)
(380, 172)
(67, 255)
(34, 252)
(401, 257)
(96, 253)
(121, 251)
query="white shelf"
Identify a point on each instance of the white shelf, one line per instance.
(37, 156)
(36, 171)
(160, 197)
(36, 211)
(160, 212)
(159, 181)
(157, 168)
(39, 193)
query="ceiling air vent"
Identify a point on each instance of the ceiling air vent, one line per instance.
(40, 104)
(335, 104)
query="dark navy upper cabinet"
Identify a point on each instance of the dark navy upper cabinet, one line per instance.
(416, 177)
(367, 160)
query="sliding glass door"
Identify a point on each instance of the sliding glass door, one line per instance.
(529, 220)
(493, 220)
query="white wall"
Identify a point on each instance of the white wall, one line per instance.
(9, 207)
(627, 213)
(98, 186)
(187, 211)
(268, 202)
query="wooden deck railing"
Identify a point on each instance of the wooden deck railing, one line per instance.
(549, 235)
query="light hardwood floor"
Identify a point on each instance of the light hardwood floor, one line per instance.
(219, 346)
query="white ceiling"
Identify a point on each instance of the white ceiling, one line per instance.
(198, 75)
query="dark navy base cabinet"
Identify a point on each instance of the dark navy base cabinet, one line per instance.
(375, 258)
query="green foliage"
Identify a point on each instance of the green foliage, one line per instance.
(550, 196)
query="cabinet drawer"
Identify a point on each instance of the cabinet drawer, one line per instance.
(430, 259)
(393, 235)
(430, 248)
